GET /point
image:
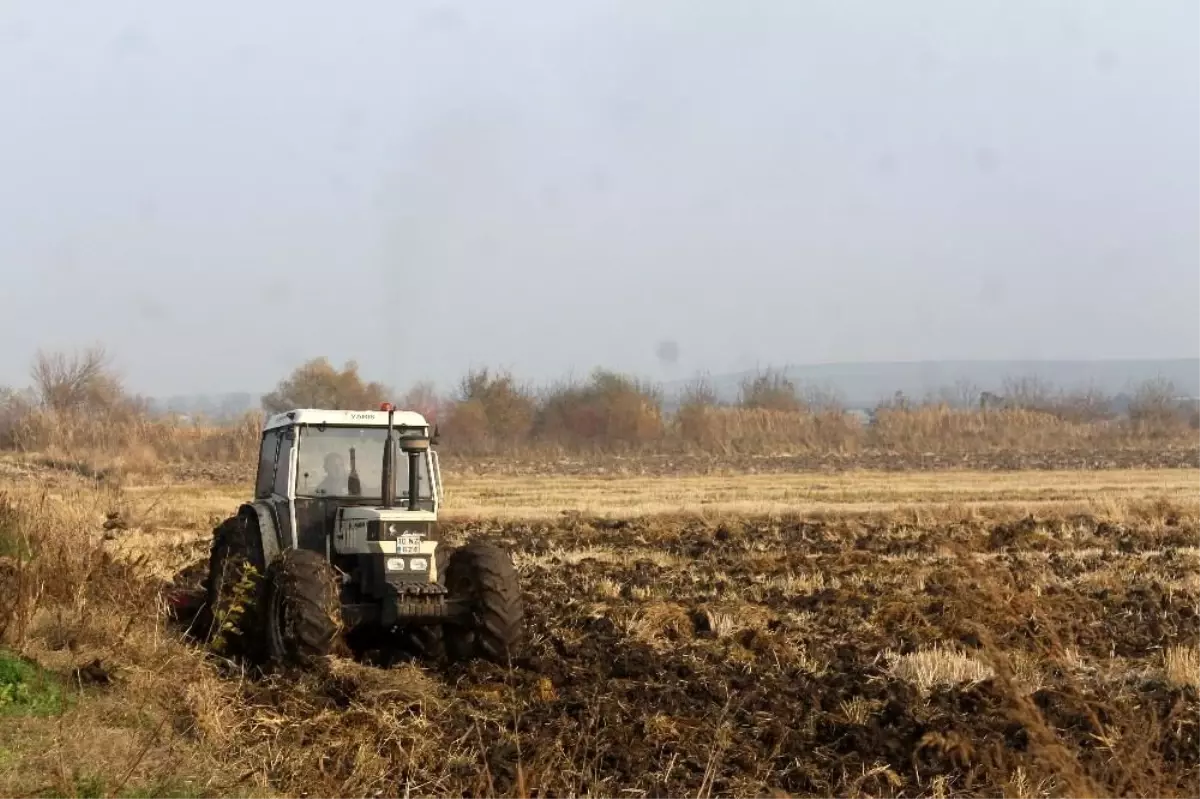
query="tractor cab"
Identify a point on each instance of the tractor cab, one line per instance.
(320, 470)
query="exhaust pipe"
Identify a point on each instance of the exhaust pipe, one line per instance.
(388, 494)
(413, 474)
(414, 445)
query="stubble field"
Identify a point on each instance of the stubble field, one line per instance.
(853, 632)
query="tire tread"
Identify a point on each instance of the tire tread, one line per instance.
(304, 608)
(485, 572)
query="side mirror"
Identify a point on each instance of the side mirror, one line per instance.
(435, 437)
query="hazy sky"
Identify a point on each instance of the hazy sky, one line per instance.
(217, 191)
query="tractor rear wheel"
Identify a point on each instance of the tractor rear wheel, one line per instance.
(483, 575)
(230, 620)
(303, 609)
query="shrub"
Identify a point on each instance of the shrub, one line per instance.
(1154, 409)
(770, 391)
(489, 413)
(317, 384)
(27, 689)
(612, 411)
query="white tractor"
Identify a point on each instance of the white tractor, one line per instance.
(339, 550)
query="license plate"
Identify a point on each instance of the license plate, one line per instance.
(408, 545)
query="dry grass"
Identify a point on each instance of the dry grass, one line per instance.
(1182, 665)
(937, 665)
(122, 440)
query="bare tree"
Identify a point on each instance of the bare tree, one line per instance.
(1028, 393)
(65, 383)
(422, 397)
(699, 393)
(1155, 403)
(823, 399)
(963, 394)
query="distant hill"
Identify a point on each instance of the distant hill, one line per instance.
(862, 385)
(858, 385)
(210, 406)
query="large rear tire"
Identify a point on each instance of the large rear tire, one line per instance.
(303, 609)
(230, 620)
(483, 575)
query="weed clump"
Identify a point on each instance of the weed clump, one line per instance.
(25, 688)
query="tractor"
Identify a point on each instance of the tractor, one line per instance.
(339, 551)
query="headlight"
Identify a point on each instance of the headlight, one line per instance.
(418, 564)
(394, 564)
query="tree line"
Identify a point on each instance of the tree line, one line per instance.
(492, 411)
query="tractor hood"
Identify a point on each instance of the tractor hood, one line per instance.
(397, 514)
(387, 531)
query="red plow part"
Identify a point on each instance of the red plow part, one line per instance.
(184, 602)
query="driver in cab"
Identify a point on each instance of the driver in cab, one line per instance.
(336, 477)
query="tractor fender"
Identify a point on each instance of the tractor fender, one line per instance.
(268, 530)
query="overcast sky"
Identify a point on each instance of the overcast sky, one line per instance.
(219, 190)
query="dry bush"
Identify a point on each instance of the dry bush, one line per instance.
(127, 441)
(422, 397)
(490, 413)
(771, 417)
(691, 424)
(940, 428)
(1028, 394)
(699, 392)
(56, 574)
(612, 411)
(728, 431)
(771, 391)
(317, 384)
(963, 394)
(14, 407)
(1156, 411)
(1084, 406)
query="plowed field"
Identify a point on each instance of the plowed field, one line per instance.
(975, 650)
(742, 656)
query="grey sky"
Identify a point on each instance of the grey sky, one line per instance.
(217, 191)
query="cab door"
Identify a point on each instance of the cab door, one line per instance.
(282, 493)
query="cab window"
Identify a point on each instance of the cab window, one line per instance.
(266, 464)
(283, 462)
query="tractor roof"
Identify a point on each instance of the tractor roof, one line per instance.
(346, 418)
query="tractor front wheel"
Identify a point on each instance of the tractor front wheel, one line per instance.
(483, 575)
(303, 609)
